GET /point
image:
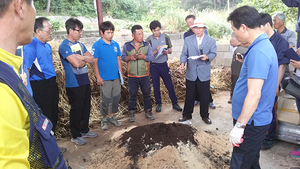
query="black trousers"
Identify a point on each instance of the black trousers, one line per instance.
(210, 98)
(247, 155)
(80, 101)
(133, 86)
(46, 95)
(201, 90)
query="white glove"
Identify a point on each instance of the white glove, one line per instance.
(235, 136)
(24, 78)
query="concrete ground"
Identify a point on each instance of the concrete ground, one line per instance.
(80, 157)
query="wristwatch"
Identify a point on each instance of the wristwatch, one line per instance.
(239, 125)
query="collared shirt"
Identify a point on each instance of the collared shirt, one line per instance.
(14, 122)
(199, 40)
(107, 55)
(190, 32)
(280, 45)
(260, 62)
(289, 35)
(163, 39)
(38, 58)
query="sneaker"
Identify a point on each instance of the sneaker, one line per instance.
(78, 141)
(89, 135)
(132, 115)
(177, 107)
(149, 115)
(158, 108)
(104, 123)
(295, 153)
(196, 103)
(212, 105)
(112, 120)
(267, 144)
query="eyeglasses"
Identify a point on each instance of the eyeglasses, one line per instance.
(80, 31)
(48, 31)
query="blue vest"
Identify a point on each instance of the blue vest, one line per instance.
(43, 149)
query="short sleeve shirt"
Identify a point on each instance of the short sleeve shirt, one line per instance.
(260, 62)
(107, 55)
(280, 44)
(38, 58)
(75, 77)
(289, 35)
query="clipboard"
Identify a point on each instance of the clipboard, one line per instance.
(291, 54)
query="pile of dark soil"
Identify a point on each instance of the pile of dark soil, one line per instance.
(143, 139)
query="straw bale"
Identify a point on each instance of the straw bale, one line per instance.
(220, 79)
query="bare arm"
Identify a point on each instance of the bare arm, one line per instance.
(120, 66)
(88, 57)
(96, 71)
(28, 72)
(251, 100)
(281, 70)
(157, 49)
(76, 60)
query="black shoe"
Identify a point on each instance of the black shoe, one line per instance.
(158, 108)
(184, 119)
(177, 107)
(206, 120)
(267, 144)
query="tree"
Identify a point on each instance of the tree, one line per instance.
(48, 6)
(271, 7)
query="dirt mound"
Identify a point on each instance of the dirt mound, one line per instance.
(161, 145)
(144, 139)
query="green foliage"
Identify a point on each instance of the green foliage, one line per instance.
(67, 7)
(129, 9)
(207, 4)
(217, 30)
(271, 7)
(161, 6)
(56, 24)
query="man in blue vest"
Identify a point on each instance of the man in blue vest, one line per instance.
(161, 46)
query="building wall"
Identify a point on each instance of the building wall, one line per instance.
(224, 55)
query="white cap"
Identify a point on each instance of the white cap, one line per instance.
(199, 23)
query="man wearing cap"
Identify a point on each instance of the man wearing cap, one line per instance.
(198, 52)
(189, 22)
